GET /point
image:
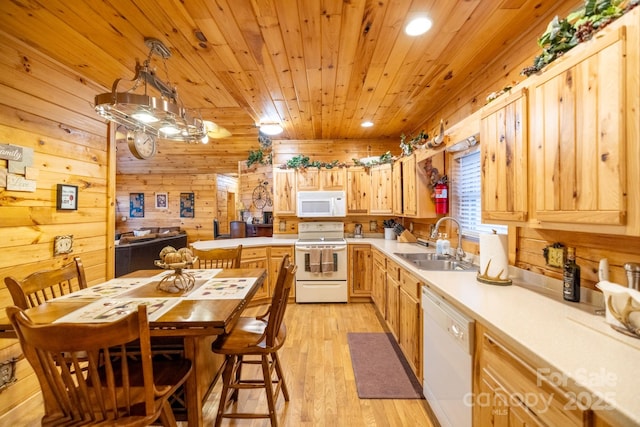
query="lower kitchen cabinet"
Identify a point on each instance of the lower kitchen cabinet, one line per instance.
(360, 271)
(509, 391)
(397, 296)
(410, 334)
(257, 257)
(276, 253)
(378, 282)
(269, 258)
(393, 298)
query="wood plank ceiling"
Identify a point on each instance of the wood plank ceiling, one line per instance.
(320, 68)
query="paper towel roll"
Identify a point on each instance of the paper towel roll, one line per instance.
(494, 248)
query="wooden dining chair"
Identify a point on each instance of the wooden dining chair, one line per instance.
(260, 336)
(218, 258)
(115, 388)
(45, 285)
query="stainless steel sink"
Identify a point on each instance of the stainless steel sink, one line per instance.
(430, 261)
(422, 256)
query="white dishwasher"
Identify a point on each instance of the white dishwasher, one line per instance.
(447, 350)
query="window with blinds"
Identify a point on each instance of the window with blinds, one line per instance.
(466, 198)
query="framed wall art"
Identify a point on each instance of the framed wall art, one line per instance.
(162, 200)
(187, 205)
(136, 205)
(67, 197)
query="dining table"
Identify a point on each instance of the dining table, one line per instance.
(195, 316)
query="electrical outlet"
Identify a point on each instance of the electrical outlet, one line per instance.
(411, 227)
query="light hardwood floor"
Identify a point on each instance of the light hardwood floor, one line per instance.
(319, 375)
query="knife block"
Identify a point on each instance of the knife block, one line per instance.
(407, 237)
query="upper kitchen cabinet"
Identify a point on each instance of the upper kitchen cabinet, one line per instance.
(333, 179)
(358, 188)
(579, 137)
(416, 185)
(396, 183)
(310, 179)
(381, 201)
(284, 191)
(504, 147)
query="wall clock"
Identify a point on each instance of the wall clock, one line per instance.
(63, 244)
(141, 144)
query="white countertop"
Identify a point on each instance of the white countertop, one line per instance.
(582, 346)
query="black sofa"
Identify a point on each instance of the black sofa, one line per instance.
(139, 252)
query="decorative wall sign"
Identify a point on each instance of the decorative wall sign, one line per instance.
(136, 205)
(18, 166)
(63, 244)
(187, 202)
(10, 152)
(162, 200)
(67, 197)
(19, 183)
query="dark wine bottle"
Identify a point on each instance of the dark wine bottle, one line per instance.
(571, 277)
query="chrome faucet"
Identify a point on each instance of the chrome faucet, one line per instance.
(459, 251)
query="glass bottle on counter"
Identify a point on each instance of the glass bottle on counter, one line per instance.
(571, 277)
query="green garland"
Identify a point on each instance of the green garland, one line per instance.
(564, 34)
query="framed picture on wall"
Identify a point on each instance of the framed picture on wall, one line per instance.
(187, 202)
(136, 205)
(162, 200)
(267, 217)
(67, 197)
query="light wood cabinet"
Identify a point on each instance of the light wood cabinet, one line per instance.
(333, 179)
(510, 391)
(393, 298)
(381, 201)
(312, 179)
(504, 148)
(284, 191)
(578, 132)
(396, 183)
(257, 257)
(358, 186)
(276, 254)
(308, 179)
(360, 270)
(410, 333)
(416, 192)
(409, 186)
(379, 282)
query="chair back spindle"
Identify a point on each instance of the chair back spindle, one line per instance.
(42, 286)
(219, 258)
(87, 376)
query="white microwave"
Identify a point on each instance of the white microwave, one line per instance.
(322, 204)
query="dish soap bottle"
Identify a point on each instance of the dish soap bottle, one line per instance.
(439, 245)
(446, 244)
(571, 277)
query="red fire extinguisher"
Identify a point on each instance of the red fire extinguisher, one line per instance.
(442, 196)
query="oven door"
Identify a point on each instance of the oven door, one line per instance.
(330, 270)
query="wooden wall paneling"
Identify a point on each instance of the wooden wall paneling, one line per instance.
(333, 149)
(249, 179)
(590, 248)
(70, 146)
(200, 227)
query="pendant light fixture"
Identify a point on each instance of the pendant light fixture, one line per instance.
(151, 105)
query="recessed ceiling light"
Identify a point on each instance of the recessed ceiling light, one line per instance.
(418, 26)
(366, 124)
(271, 128)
